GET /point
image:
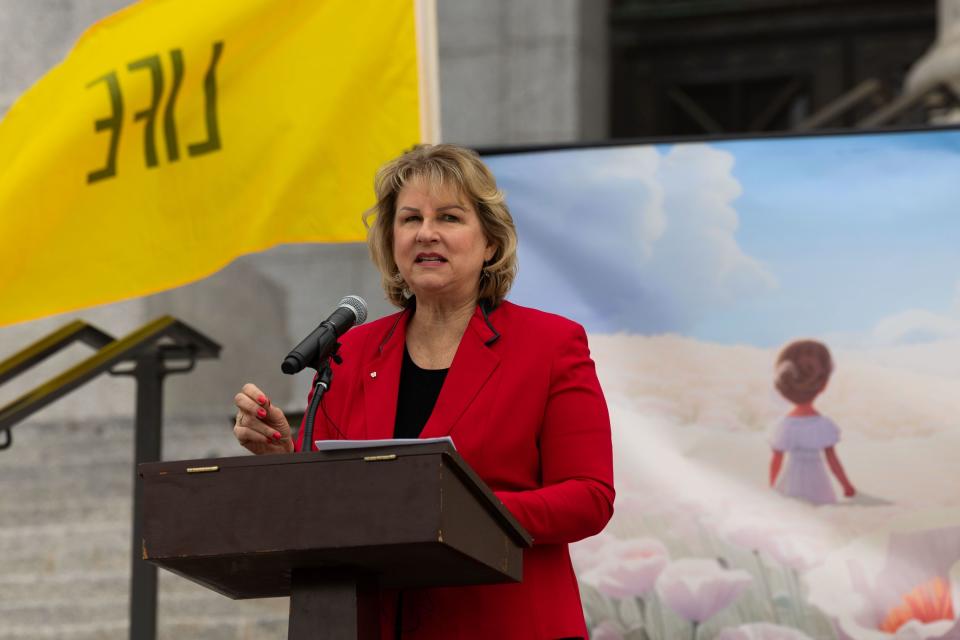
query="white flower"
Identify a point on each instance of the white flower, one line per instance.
(761, 631)
(629, 568)
(697, 588)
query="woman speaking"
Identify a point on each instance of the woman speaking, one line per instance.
(514, 387)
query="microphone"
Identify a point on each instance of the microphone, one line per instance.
(351, 311)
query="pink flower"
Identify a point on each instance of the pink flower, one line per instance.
(761, 631)
(751, 531)
(778, 538)
(589, 552)
(697, 588)
(629, 568)
(607, 630)
(902, 582)
(798, 552)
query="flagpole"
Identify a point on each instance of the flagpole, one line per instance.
(428, 70)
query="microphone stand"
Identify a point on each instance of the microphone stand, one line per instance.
(322, 385)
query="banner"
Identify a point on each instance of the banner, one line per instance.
(766, 488)
(178, 135)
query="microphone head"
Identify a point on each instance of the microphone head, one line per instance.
(291, 365)
(357, 305)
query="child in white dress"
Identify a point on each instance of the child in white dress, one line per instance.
(805, 437)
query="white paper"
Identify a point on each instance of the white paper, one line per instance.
(336, 445)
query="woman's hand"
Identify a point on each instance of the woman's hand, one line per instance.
(260, 426)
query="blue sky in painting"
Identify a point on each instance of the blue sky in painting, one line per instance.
(856, 238)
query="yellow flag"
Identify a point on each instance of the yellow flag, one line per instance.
(179, 134)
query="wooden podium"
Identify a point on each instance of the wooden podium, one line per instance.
(329, 529)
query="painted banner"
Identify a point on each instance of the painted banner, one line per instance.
(776, 325)
(178, 135)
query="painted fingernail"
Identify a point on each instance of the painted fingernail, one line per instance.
(261, 412)
(262, 400)
(276, 435)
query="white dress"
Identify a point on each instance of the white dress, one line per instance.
(803, 439)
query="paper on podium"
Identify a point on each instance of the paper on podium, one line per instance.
(336, 445)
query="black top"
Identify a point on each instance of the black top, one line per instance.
(418, 393)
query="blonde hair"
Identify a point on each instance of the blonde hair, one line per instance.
(453, 166)
(803, 369)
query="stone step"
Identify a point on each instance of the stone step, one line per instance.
(79, 608)
(186, 628)
(66, 481)
(89, 442)
(66, 546)
(60, 508)
(91, 450)
(33, 587)
(65, 539)
(70, 604)
(98, 630)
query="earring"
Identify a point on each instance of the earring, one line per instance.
(400, 284)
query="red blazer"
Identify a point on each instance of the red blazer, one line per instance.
(524, 408)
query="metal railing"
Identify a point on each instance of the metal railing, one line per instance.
(149, 354)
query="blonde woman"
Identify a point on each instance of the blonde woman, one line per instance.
(514, 387)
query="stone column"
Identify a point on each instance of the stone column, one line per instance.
(518, 73)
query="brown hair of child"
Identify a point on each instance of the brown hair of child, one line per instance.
(803, 369)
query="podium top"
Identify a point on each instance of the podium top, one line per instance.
(412, 515)
(457, 463)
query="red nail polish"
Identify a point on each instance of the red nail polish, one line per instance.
(262, 400)
(261, 412)
(276, 435)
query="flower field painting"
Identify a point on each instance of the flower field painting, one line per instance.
(763, 492)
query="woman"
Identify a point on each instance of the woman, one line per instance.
(514, 387)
